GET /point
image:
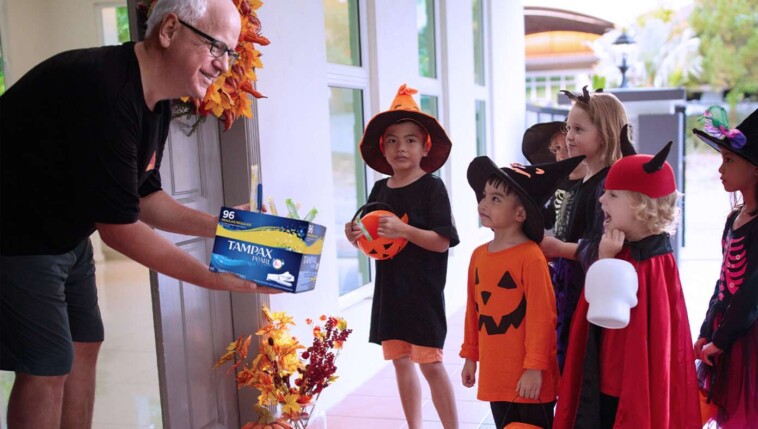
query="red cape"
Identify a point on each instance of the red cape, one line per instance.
(658, 382)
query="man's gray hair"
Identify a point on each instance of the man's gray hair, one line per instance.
(189, 11)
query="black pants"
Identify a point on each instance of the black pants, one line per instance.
(535, 414)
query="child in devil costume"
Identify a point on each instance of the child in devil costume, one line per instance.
(641, 376)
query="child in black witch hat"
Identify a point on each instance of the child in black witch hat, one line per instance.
(510, 310)
(640, 376)
(408, 311)
(545, 143)
(728, 342)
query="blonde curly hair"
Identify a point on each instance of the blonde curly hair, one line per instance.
(658, 215)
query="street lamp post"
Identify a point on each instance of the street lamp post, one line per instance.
(622, 48)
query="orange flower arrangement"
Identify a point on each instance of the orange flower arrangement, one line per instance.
(227, 97)
(283, 378)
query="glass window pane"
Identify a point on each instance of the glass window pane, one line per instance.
(348, 173)
(429, 105)
(481, 128)
(427, 57)
(115, 25)
(342, 32)
(2, 70)
(478, 25)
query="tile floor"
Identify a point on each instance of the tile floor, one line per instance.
(377, 405)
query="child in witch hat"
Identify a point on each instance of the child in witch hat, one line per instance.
(640, 376)
(727, 346)
(545, 143)
(408, 312)
(510, 310)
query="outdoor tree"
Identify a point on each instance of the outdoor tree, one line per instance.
(665, 52)
(728, 44)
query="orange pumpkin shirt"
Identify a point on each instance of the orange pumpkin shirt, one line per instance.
(510, 321)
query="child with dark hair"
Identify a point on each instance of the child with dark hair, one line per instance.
(510, 310)
(408, 312)
(727, 346)
(544, 143)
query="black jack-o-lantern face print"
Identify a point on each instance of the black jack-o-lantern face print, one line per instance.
(380, 248)
(494, 317)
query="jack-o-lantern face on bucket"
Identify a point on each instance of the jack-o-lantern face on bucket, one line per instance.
(377, 247)
(380, 247)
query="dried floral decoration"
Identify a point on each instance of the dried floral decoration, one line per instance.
(227, 97)
(283, 378)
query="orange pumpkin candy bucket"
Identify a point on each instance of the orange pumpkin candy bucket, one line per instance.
(370, 242)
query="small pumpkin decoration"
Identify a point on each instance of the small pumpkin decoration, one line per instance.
(370, 242)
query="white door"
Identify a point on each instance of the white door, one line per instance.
(193, 325)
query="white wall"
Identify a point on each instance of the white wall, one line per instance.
(295, 140)
(508, 63)
(58, 26)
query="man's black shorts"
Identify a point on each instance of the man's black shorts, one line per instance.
(46, 303)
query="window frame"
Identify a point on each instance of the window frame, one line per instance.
(357, 78)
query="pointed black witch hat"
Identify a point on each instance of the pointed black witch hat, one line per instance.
(536, 142)
(743, 140)
(646, 174)
(534, 184)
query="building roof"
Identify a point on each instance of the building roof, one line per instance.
(543, 19)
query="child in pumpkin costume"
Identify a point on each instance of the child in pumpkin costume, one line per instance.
(641, 376)
(408, 312)
(510, 310)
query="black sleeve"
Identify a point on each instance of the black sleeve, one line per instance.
(152, 183)
(740, 315)
(742, 311)
(589, 245)
(706, 329)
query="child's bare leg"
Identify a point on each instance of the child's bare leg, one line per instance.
(442, 393)
(410, 391)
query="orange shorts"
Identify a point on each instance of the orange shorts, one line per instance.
(397, 349)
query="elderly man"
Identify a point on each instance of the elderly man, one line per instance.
(82, 138)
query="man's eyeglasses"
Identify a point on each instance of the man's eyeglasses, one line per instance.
(218, 48)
